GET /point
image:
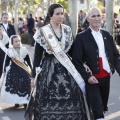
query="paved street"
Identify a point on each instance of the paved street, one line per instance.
(9, 112)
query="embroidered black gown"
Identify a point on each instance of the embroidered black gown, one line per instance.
(16, 87)
(58, 96)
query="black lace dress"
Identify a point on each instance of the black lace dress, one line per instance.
(16, 87)
(58, 97)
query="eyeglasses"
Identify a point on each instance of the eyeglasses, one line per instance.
(94, 16)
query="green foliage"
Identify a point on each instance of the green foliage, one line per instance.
(25, 38)
(27, 1)
(36, 1)
(64, 3)
(100, 5)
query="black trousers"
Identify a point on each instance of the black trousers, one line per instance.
(97, 96)
(0, 71)
(32, 41)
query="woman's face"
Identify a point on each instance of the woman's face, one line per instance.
(16, 42)
(58, 16)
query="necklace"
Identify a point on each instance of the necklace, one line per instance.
(59, 38)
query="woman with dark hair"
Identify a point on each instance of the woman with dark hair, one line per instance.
(57, 96)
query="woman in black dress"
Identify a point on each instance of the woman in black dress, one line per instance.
(16, 86)
(58, 97)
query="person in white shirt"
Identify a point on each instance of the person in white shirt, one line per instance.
(9, 29)
(96, 48)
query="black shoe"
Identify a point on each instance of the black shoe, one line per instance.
(25, 105)
(16, 105)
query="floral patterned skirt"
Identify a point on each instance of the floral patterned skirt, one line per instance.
(58, 96)
(16, 87)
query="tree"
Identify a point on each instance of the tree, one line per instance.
(109, 16)
(73, 15)
(48, 4)
(16, 14)
(88, 4)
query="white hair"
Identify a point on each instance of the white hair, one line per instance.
(92, 8)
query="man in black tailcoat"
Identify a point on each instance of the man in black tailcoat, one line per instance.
(96, 48)
(9, 28)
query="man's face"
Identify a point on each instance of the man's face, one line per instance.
(5, 18)
(94, 18)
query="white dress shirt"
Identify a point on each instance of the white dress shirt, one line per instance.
(5, 26)
(101, 48)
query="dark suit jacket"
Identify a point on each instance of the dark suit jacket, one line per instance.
(10, 30)
(85, 25)
(85, 50)
(30, 24)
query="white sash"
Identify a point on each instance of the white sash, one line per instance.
(61, 56)
(2, 46)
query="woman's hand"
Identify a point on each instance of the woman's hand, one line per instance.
(87, 68)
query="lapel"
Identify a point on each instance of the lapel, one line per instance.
(104, 38)
(7, 28)
(3, 27)
(90, 36)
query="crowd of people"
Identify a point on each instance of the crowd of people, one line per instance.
(74, 80)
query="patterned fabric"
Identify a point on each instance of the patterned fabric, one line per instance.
(16, 86)
(17, 81)
(58, 97)
(65, 43)
(21, 55)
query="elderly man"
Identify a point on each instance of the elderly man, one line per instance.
(96, 48)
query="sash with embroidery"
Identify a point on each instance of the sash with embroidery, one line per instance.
(22, 65)
(61, 56)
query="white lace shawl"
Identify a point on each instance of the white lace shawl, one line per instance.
(4, 40)
(21, 55)
(66, 40)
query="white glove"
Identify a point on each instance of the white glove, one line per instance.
(38, 70)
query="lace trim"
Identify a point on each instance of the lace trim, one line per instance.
(23, 53)
(66, 40)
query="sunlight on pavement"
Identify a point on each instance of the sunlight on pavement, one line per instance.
(111, 104)
(1, 111)
(5, 118)
(112, 116)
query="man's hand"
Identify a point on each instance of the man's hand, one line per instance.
(92, 80)
(87, 69)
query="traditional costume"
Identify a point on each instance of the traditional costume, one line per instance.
(58, 96)
(4, 40)
(16, 86)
